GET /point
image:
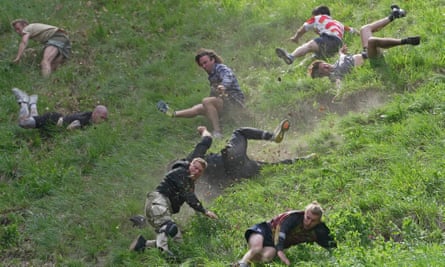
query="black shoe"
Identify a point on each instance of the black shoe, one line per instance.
(138, 244)
(281, 53)
(164, 108)
(413, 40)
(397, 12)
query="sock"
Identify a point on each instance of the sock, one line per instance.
(410, 40)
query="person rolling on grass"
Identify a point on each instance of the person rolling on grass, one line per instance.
(57, 45)
(328, 43)
(225, 93)
(177, 188)
(232, 161)
(267, 240)
(30, 119)
(372, 50)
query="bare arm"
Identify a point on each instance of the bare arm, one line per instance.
(283, 257)
(300, 32)
(211, 214)
(23, 44)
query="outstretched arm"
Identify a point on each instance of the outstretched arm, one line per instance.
(283, 257)
(300, 32)
(23, 44)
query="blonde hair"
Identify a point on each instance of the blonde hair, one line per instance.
(21, 21)
(315, 208)
(202, 161)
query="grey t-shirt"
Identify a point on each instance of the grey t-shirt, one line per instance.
(342, 67)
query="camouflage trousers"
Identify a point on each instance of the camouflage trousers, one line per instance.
(158, 213)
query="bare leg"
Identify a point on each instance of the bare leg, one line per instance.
(213, 106)
(302, 50)
(367, 30)
(256, 252)
(190, 112)
(57, 62)
(49, 54)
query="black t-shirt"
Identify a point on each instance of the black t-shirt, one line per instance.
(51, 118)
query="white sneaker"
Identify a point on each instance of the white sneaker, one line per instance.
(21, 96)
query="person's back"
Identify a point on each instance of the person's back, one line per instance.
(324, 24)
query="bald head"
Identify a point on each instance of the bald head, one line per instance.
(100, 113)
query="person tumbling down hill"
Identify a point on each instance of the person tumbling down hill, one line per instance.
(372, 50)
(232, 161)
(330, 38)
(29, 117)
(269, 239)
(57, 45)
(177, 188)
(225, 93)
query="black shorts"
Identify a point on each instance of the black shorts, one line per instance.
(328, 46)
(264, 230)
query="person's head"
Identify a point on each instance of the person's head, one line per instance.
(100, 114)
(197, 167)
(312, 215)
(319, 69)
(207, 58)
(321, 10)
(18, 25)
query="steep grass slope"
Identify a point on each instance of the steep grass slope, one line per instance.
(66, 196)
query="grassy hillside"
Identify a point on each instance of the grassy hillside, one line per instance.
(66, 196)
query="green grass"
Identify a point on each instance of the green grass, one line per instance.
(66, 196)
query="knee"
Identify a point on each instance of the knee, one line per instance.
(372, 42)
(365, 28)
(169, 228)
(207, 101)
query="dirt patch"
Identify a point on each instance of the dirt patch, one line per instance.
(304, 119)
(309, 113)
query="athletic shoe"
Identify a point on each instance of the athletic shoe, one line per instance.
(164, 108)
(138, 244)
(20, 96)
(281, 53)
(397, 12)
(413, 40)
(33, 99)
(278, 134)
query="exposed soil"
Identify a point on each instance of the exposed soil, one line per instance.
(304, 119)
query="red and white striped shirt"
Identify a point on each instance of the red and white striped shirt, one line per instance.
(324, 24)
